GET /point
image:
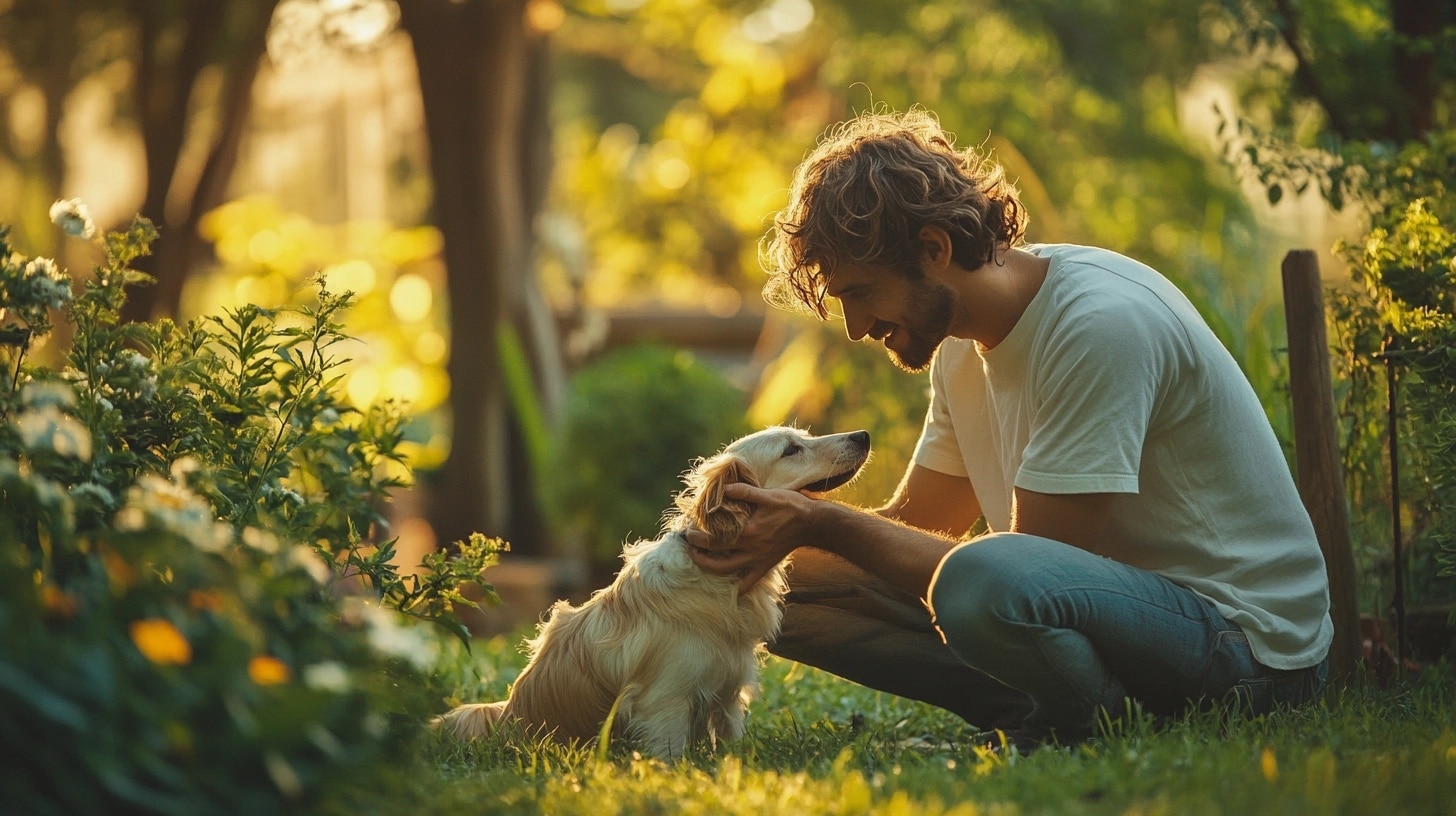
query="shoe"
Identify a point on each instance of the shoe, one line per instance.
(1005, 743)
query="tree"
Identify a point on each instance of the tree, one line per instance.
(483, 78)
(175, 50)
(176, 43)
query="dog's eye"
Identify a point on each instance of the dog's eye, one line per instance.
(793, 449)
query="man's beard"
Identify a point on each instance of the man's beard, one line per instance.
(932, 304)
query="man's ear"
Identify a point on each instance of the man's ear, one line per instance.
(935, 246)
(703, 501)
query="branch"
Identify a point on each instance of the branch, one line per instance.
(1288, 27)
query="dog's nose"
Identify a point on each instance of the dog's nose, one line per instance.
(861, 438)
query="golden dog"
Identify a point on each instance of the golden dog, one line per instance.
(675, 649)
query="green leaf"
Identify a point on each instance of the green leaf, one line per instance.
(43, 701)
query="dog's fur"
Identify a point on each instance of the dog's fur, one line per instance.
(673, 647)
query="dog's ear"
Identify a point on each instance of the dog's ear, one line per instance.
(703, 501)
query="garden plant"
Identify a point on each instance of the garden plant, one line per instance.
(199, 606)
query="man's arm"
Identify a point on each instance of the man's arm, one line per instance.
(785, 520)
(886, 546)
(936, 501)
(1079, 519)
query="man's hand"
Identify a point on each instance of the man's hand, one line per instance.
(781, 523)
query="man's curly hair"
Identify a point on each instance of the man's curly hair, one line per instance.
(863, 195)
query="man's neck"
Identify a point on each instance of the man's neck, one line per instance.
(996, 295)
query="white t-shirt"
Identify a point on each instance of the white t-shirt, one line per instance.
(1111, 382)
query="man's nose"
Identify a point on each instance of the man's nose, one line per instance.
(857, 325)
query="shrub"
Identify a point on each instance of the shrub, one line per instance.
(199, 614)
(1404, 271)
(635, 420)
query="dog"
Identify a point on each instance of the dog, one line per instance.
(672, 649)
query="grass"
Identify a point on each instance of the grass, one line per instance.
(818, 745)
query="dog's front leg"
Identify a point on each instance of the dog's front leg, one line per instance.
(664, 724)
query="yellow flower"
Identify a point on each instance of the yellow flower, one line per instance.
(200, 599)
(160, 642)
(266, 670)
(57, 602)
(118, 570)
(1269, 765)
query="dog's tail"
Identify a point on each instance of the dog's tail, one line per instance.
(470, 721)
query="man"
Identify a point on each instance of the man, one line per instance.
(1148, 542)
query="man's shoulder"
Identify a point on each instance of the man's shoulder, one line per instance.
(953, 353)
(1082, 253)
(1091, 285)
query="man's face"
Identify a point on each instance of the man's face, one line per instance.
(909, 314)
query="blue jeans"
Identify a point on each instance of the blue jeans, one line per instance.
(1080, 634)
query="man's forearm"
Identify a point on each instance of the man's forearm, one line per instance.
(902, 555)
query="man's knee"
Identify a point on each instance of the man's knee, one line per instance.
(981, 587)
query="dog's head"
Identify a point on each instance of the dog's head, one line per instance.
(777, 457)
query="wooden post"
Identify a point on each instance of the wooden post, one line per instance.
(1318, 469)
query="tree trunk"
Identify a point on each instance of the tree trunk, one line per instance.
(164, 90)
(476, 68)
(1417, 25)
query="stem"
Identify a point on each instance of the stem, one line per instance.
(15, 380)
(310, 373)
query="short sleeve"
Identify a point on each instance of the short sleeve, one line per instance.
(938, 448)
(1096, 384)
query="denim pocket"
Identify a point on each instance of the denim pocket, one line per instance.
(1298, 686)
(1230, 663)
(1245, 685)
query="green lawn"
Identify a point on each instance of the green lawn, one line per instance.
(818, 745)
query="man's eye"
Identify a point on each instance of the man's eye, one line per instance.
(793, 449)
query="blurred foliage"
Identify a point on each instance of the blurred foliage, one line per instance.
(685, 186)
(635, 421)
(825, 384)
(396, 346)
(1363, 119)
(200, 608)
(1402, 312)
(681, 124)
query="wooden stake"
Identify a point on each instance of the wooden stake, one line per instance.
(1318, 469)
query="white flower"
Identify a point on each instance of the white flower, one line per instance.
(41, 268)
(46, 428)
(72, 217)
(134, 360)
(375, 724)
(285, 494)
(307, 559)
(95, 492)
(183, 467)
(154, 502)
(327, 676)
(42, 282)
(260, 540)
(42, 394)
(391, 638)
